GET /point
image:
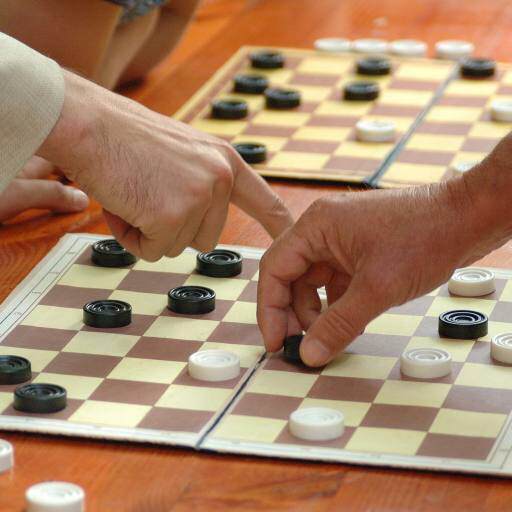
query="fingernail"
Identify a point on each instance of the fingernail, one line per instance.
(315, 353)
(80, 199)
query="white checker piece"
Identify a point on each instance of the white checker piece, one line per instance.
(472, 282)
(375, 130)
(55, 496)
(501, 347)
(214, 365)
(333, 44)
(462, 166)
(316, 423)
(6, 455)
(454, 49)
(426, 363)
(501, 111)
(373, 46)
(408, 48)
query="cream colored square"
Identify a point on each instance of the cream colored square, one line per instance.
(466, 423)
(39, 359)
(194, 398)
(458, 349)
(225, 288)
(147, 370)
(450, 113)
(506, 79)
(88, 276)
(385, 440)
(405, 97)
(490, 130)
(485, 376)
(298, 160)
(467, 156)
(229, 127)
(55, 317)
(110, 413)
(322, 133)
(5, 400)
(344, 108)
(506, 294)
(249, 428)
(432, 142)
(325, 65)
(402, 392)
(272, 143)
(354, 412)
(276, 118)
(101, 343)
(441, 304)
(181, 328)
(418, 71)
(256, 276)
(248, 354)
(415, 173)
(360, 366)
(313, 92)
(78, 387)
(185, 263)
(364, 149)
(482, 88)
(400, 325)
(272, 382)
(142, 303)
(242, 313)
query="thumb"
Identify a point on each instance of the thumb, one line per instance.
(339, 324)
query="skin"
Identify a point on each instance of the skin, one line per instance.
(163, 185)
(376, 250)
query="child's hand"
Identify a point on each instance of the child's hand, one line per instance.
(31, 189)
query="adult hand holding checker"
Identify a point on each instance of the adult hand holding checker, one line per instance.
(375, 250)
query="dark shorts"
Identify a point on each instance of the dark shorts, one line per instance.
(133, 8)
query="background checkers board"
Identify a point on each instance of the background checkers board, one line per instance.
(439, 117)
(131, 383)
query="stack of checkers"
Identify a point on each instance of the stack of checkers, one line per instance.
(323, 424)
(285, 99)
(206, 365)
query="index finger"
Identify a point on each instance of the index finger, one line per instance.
(283, 263)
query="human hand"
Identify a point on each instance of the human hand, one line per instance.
(164, 185)
(371, 251)
(31, 189)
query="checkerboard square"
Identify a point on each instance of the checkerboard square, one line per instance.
(177, 420)
(266, 406)
(345, 389)
(78, 387)
(110, 413)
(242, 312)
(384, 440)
(250, 428)
(73, 296)
(232, 332)
(467, 423)
(144, 281)
(423, 394)
(458, 447)
(142, 303)
(185, 263)
(128, 392)
(473, 398)
(85, 276)
(164, 349)
(281, 383)
(360, 366)
(39, 359)
(181, 328)
(400, 417)
(188, 397)
(398, 325)
(146, 370)
(89, 365)
(59, 318)
(442, 304)
(39, 338)
(99, 343)
(487, 376)
(225, 289)
(378, 345)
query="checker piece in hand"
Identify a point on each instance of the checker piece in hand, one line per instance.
(477, 68)
(40, 398)
(250, 84)
(251, 152)
(373, 66)
(14, 369)
(282, 99)
(267, 60)
(110, 253)
(191, 300)
(463, 324)
(361, 91)
(291, 348)
(229, 109)
(219, 263)
(107, 313)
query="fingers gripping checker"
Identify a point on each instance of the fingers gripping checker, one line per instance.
(426, 363)
(317, 423)
(110, 253)
(214, 365)
(219, 263)
(472, 282)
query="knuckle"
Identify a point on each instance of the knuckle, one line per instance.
(337, 326)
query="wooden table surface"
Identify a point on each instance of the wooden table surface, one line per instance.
(128, 477)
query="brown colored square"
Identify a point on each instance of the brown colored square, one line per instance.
(462, 101)
(40, 338)
(441, 128)
(417, 306)
(278, 362)
(151, 282)
(140, 324)
(184, 379)
(66, 413)
(322, 80)
(175, 420)
(396, 374)
(249, 268)
(128, 392)
(379, 109)
(220, 311)
(82, 364)
(73, 296)
(472, 398)
(310, 146)
(428, 327)
(362, 166)
(457, 447)
(502, 312)
(250, 292)
(335, 121)
(164, 349)
(413, 85)
(286, 437)
(420, 156)
(400, 416)
(306, 106)
(479, 145)
(345, 388)
(378, 345)
(269, 131)
(504, 90)
(242, 334)
(267, 406)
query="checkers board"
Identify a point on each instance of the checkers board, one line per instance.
(317, 139)
(132, 383)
